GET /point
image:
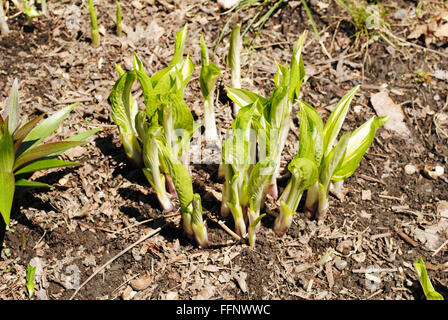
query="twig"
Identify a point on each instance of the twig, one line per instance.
(149, 235)
(131, 226)
(233, 234)
(440, 248)
(406, 238)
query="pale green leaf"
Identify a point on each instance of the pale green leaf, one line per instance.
(425, 282)
(7, 186)
(359, 142)
(336, 119)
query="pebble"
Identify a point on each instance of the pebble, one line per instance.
(434, 172)
(366, 195)
(142, 282)
(359, 257)
(410, 169)
(340, 264)
(172, 295)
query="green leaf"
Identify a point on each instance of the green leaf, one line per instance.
(359, 142)
(210, 72)
(180, 176)
(137, 63)
(281, 78)
(428, 289)
(259, 179)
(244, 97)
(7, 186)
(22, 131)
(45, 164)
(45, 128)
(43, 151)
(311, 133)
(6, 149)
(124, 110)
(233, 57)
(336, 119)
(83, 136)
(12, 107)
(179, 45)
(297, 71)
(332, 162)
(30, 280)
(31, 184)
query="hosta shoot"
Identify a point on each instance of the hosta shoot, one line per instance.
(233, 60)
(119, 18)
(425, 282)
(30, 280)
(210, 73)
(303, 175)
(336, 160)
(190, 203)
(22, 151)
(95, 34)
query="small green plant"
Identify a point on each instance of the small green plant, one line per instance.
(22, 151)
(233, 60)
(119, 18)
(425, 282)
(368, 19)
(30, 280)
(93, 24)
(335, 161)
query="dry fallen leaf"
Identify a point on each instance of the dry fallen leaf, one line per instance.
(442, 31)
(384, 105)
(142, 282)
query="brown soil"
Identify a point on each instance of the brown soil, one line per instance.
(80, 224)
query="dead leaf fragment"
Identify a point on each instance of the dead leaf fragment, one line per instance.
(142, 282)
(442, 31)
(383, 106)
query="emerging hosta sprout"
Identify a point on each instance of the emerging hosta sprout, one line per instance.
(303, 175)
(93, 24)
(336, 162)
(425, 282)
(119, 18)
(209, 75)
(190, 203)
(233, 60)
(22, 152)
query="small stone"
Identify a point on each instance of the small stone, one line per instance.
(433, 172)
(128, 293)
(366, 195)
(340, 264)
(410, 169)
(172, 295)
(142, 282)
(344, 246)
(359, 257)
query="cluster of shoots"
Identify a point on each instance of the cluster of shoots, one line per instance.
(24, 151)
(157, 140)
